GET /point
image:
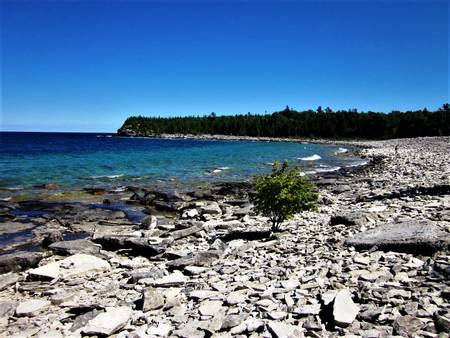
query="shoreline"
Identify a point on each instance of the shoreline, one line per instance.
(204, 273)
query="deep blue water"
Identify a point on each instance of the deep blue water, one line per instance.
(76, 160)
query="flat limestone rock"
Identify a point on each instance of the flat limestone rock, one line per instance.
(344, 310)
(31, 307)
(106, 323)
(70, 267)
(283, 330)
(75, 247)
(411, 236)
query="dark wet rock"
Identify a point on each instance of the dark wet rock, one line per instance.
(51, 236)
(67, 248)
(350, 218)
(169, 195)
(10, 227)
(341, 189)
(168, 206)
(201, 258)
(19, 261)
(95, 191)
(136, 245)
(48, 186)
(411, 236)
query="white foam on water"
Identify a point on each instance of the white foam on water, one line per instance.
(105, 176)
(314, 157)
(341, 151)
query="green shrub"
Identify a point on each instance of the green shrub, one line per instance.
(282, 194)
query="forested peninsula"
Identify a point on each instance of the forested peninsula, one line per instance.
(320, 123)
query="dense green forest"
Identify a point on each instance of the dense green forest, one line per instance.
(321, 123)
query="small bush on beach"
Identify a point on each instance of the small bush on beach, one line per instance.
(283, 193)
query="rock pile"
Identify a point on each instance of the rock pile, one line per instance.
(215, 272)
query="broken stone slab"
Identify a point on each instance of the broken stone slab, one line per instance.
(211, 308)
(408, 326)
(7, 308)
(175, 278)
(409, 236)
(152, 299)
(31, 307)
(19, 261)
(212, 208)
(350, 218)
(106, 323)
(67, 248)
(344, 309)
(137, 246)
(178, 234)
(149, 222)
(70, 267)
(8, 279)
(283, 330)
(201, 258)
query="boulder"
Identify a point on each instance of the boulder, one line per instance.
(168, 195)
(212, 208)
(137, 246)
(8, 279)
(350, 218)
(279, 329)
(69, 267)
(411, 236)
(76, 246)
(19, 261)
(201, 258)
(408, 326)
(106, 323)
(344, 310)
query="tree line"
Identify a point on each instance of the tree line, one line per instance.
(320, 123)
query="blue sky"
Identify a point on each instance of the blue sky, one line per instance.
(86, 66)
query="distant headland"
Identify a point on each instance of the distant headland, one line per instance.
(320, 123)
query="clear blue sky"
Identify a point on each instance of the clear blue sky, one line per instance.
(86, 66)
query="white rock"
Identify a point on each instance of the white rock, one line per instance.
(31, 307)
(212, 209)
(210, 308)
(106, 323)
(311, 309)
(344, 310)
(283, 330)
(175, 278)
(70, 267)
(162, 330)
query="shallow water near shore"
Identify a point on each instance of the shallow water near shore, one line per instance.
(71, 161)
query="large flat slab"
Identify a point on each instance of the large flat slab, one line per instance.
(70, 267)
(409, 236)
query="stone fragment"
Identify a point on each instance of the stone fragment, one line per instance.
(70, 267)
(149, 223)
(7, 308)
(152, 300)
(106, 323)
(408, 326)
(8, 279)
(344, 309)
(75, 247)
(19, 261)
(201, 258)
(283, 330)
(31, 307)
(409, 236)
(162, 330)
(210, 307)
(313, 309)
(175, 278)
(211, 209)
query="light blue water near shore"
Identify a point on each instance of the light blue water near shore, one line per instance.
(76, 160)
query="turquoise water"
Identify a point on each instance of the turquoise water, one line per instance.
(76, 160)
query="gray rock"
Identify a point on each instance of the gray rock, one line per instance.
(411, 236)
(149, 223)
(152, 300)
(137, 246)
(408, 326)
(201, 258)
(76, 246)
(350, 218)
(8, 279)
(211, 209)
(70, 267)
(19, 261)
(31, 307)
(7, 308)
(106, 323)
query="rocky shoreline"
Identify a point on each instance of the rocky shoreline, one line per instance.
(373, 262)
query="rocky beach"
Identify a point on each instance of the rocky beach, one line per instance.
(372, 262)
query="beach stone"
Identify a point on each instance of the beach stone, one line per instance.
(410, 236)
(408, 326)
(70, 267)
(31, 307)
(283, 330)
(8, 279)
(152, 300)
(344, 309)
(175, 278)
(201, 258)
(106, 323)
(75, 247)
(212, 208)
(149, 223)
(19, 261)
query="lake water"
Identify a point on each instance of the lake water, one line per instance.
(77, 160)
